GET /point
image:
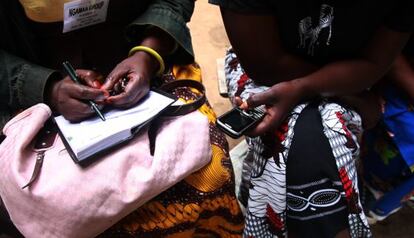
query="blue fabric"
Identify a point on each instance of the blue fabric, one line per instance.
(381, 158)
(392, 200)
(399, 120)
(387, 159)
(384, 170)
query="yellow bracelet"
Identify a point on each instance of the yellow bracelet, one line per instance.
(153, 53)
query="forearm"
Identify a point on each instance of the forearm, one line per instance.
(22, 84)
(362, 72)
(340, 78)
(159, 40)
(164, 24)
(334, 79)
(286, 67)
(256, 41)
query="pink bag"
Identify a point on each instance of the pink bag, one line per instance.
(67, 200)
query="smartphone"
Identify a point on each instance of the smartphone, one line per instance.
(236, 121)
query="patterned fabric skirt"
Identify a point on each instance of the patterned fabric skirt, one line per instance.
(202, 205)
(303, 177)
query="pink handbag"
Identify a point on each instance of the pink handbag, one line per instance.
(67, 200)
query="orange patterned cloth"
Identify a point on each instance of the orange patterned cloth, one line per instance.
(202, 205)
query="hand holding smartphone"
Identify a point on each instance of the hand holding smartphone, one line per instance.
(236, 121)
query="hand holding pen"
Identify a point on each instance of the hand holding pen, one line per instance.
(70, 99)
(72, 74)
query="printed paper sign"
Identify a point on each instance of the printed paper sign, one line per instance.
(82, 13)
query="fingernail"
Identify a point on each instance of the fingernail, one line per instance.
(244, 105)
(104, 84)
(96, 84)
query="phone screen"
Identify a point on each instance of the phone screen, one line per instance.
(236, 120)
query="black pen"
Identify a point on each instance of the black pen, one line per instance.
(72, 74)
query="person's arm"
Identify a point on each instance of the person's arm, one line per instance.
(256, 41)
(162, 27)
(171, 18)
(344, 78)
(352, 76)
(22, 83)
(25, 83)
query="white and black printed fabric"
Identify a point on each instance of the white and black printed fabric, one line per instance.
(305, 172)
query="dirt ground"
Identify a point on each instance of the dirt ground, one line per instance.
(210, 42)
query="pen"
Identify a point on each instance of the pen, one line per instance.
(72, 74)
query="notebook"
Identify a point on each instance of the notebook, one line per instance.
(90, 137)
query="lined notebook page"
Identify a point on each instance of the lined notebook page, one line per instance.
(93, 135)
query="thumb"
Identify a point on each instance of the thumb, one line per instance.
(258, 99)
(113, 78)
(237, 101)
(91, 78)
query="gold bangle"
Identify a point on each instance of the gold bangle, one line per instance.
(153, 53)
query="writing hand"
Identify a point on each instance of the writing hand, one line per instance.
(68, 98)
(138, 69)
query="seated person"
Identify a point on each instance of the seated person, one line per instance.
(310, 63)
(38, 35)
